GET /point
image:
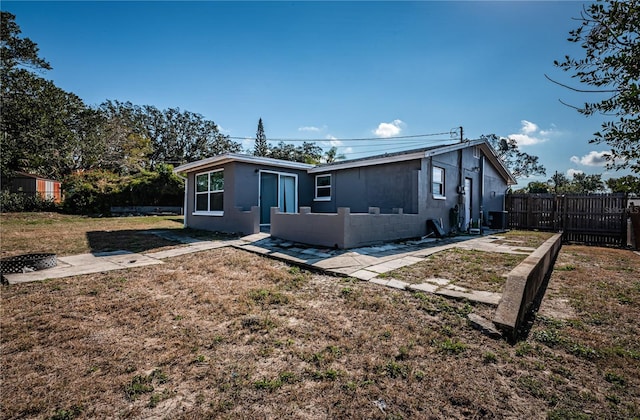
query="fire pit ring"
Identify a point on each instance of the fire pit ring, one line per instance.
(27, 262)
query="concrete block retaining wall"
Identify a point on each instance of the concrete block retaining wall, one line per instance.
(345, 230)
(523, 285)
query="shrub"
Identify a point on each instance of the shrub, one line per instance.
(94, 192)
(20, 202)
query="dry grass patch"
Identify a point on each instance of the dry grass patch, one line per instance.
(477, 270)
(525, 238)
(63, 234)
(227, 334)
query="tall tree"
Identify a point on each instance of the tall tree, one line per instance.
(332, 155)
(519, 163)
(174, 136)
(42, 127)
(125, 145)
(626, 184)
(309, 152)
(587, 184)
(16, 51)
(609, 35)
(261, 147)
(559, 183)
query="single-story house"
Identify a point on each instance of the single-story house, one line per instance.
(48, 189)
(348, 203)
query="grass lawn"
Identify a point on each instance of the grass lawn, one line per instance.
(476, 270)
(61, 234)
(473, 269)
(228, 334)
(525, 238)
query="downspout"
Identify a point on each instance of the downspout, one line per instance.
(460, 189)
(184, 211)
(481, 193)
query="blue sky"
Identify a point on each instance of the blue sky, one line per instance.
(332, 70)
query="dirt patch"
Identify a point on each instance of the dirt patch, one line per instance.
(227, 334)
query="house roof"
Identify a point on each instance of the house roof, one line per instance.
(486, 149)
(19, 174)
(237, 157)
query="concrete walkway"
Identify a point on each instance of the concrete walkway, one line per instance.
(366, 263)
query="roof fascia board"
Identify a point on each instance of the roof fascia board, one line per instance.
(452, 148)
(491, 154)
(367, 162)
(234, 157)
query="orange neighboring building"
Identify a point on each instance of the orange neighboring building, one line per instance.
(34, 184)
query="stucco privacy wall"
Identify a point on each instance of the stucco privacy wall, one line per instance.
(344, 229)
(241, 187)
(387, 186)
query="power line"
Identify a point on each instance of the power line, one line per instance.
(292, 140)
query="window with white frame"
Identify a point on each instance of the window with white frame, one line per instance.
(323, 187)
(476, 152)
(437, 181)
(210, 192)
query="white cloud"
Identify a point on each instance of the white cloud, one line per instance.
(309, 128)
(572, 172)
(592, 158)
(391, 129)
(531, 134)
(333, 141)
(528, 127)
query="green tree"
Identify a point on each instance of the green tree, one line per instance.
(43, 129)
(308, 152)
(16, 51)
(519, 163)
(559, 183)
(332, 155)
(261, 147)
(537, 187)
(608, 35)
(145, 137)
(587, 184)
(627, 184)
(125, 145)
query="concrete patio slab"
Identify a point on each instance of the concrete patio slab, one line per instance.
(364, 263)
(77, 265)
(394, 264)
(437, 280)
(364, 275)
(423, 287)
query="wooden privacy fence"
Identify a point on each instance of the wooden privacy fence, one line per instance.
(590, 219)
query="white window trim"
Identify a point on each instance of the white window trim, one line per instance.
(435, 195)
(196, 193)
(329, 187)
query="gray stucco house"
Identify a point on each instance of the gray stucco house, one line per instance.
(348, 203)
